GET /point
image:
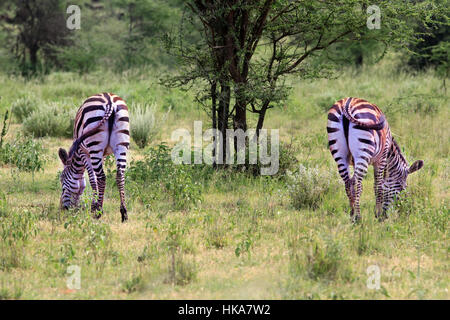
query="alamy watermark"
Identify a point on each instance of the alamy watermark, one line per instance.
(73, 281)
(263, 149)
(374, 20)
(374, 277)
(73, 22)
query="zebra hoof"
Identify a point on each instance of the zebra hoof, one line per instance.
(356, 219)
(123, 212)
(98, 214)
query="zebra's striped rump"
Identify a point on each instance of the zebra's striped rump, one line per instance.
(359, 135)
(101, 128)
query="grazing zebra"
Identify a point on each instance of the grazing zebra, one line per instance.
(359, 135)
(101, 128)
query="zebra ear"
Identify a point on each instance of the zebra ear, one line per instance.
(63, 155)
(415, 166)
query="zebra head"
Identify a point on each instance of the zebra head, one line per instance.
(73, 184)
(396, 181)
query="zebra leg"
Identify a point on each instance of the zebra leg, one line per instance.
(360, 173)
(378, 187)
(96, 163)
(101, 180)
(92, 181)
(337, 143)
(350, 190)
(121, 161)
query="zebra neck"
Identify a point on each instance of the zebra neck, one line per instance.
(76, 168)
(396, 163)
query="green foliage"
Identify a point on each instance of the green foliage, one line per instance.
(145, 126)
(355, 52)
(6, 294)
(121, 35)
(96, 44)
(33, 27)
(158, 173)
(245, 245)
(5, 128)
(146, 22)
(95, 235)
(323, 258)
(24, 107)
(3, 205)
(308, 186)
(217, 234)
(16, 229)
(24, 153)
(181, 270)
(133, 284)
(433, 39)
(50, 120)
(276, 39)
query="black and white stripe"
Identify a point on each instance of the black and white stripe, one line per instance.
(359, 135)
(101, 128)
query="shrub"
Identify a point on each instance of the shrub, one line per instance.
(135, 283)
(307, 187)
(15, 231)
(181, 271)
(144, 127)
(23, 107)
(217, 235)
(158, 172)
(50, 120)
(288, 159)
(3, 205)
(323, 257)
(24, 153)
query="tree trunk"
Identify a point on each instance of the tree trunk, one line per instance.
(262, 115)
(223, 114)
(33, 49)
(214, 118)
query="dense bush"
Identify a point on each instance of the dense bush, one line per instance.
(50, 120)
(159, 174)
(23, 107)
(145, 127)
(24, 153)
(308, 186)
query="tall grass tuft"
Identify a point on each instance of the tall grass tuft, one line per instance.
(320, 257)
(145, 127)
(16, 229)
(308, 186)
(50, 120)
(23, 107)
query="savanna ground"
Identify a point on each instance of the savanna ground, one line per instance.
(243, 237)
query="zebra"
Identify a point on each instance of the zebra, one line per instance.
(359, 135)
(101, 128)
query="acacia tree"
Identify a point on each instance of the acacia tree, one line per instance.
(247, 48)
(33, 26)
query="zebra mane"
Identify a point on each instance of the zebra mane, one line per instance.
(397, 150)
(76, 144)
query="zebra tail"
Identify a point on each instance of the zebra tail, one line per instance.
(375, 126)
(76, 144)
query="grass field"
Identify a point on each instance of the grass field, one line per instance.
(244, 239)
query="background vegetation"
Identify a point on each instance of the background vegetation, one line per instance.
(197, 231)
